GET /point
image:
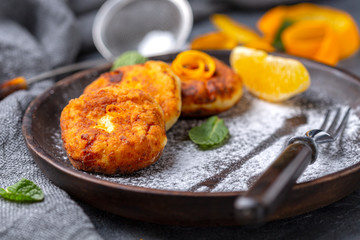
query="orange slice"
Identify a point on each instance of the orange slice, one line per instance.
(268, 77)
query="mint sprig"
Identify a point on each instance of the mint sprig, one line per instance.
(277, 43)
(210, 134)
(23, 191)
(128, 58)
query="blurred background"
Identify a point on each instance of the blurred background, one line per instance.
(244, 12)
(62, 30)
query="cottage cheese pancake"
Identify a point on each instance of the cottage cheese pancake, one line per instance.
(113, 130)
(155, 78)
(205, 97)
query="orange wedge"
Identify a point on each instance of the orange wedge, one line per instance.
(268, 77)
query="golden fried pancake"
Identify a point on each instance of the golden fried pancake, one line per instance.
(155, 78)
(205, 97)
(113, 130)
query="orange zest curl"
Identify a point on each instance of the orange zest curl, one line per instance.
(194, 64)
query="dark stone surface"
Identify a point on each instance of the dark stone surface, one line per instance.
(340, 220)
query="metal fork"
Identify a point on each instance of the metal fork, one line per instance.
(266, 194)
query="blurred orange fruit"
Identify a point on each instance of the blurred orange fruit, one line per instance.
(268, 77)
(313, 39)
(341, 22)
(240, 32)
(213, 41)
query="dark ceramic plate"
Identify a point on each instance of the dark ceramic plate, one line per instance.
(188, 186)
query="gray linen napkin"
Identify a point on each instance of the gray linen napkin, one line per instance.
(35, 35)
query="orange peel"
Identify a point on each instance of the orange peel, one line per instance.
(261, 45)
(312, 39)
(214, 41)
(240, 32)
(342, 23)
(193, 64)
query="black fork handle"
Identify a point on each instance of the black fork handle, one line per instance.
(267, 193)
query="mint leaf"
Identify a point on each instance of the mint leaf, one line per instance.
(128, 58)
(277, 43)
(23, 191)
(209, 134)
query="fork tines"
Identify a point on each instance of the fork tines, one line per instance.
(335, 128)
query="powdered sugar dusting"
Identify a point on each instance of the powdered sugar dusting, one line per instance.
(258, 132)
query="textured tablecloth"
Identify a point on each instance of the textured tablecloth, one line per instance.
(37, 35)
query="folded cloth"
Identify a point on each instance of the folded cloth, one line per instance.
(36, 35)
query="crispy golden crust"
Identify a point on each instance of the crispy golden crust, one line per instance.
(155, 78)
(205, 97)
(113, 130)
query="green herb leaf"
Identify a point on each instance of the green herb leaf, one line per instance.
(209, 134)
(277, 43)
(128, 58)
(23, 191)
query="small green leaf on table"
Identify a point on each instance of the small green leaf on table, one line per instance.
(23, 191)
(210, 134)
